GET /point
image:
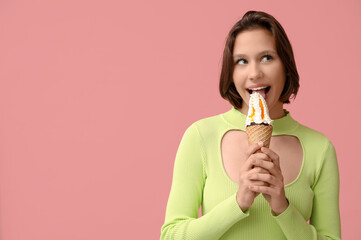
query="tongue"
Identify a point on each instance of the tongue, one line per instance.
(262, 92)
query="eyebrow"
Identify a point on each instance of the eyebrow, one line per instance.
(240, 55)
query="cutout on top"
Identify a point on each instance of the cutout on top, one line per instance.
(234, 146)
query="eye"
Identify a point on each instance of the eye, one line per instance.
(266, 58)
(242, 61)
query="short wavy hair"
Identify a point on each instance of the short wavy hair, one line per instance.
(253, 20)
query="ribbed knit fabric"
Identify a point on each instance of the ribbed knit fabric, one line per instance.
(199, 179)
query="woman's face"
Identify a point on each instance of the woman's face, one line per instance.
(258, 68)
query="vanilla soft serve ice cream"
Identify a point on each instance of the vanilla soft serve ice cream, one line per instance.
(258, 111)
(258, 123)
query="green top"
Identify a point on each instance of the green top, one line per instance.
(199, 179)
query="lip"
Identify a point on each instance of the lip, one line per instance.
(258, 86)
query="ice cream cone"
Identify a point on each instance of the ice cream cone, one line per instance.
(259, 132)
(258, 122)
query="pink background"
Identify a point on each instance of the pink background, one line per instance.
(96, 95)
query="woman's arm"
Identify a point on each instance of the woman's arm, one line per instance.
(185, 198)
(325, 218)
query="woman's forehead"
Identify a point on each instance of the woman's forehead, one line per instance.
(254, 41)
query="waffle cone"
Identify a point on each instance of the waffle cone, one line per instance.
(259, 132)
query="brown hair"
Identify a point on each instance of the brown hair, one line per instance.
(249, 21)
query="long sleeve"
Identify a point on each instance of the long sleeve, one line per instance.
(325, 218)
(185, 198)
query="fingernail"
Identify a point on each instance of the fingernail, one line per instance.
(260, 144)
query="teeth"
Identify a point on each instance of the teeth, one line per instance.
(259, 88)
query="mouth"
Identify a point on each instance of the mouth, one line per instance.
(259, 89)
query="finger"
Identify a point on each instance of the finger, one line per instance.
(253, 157)
(261, 189)
(258, 170)
(271, 191)
(275, 167)
(258, 183)
(258, 162)
(274, 156)
(252, 179)
(263, 156)
(254, 147)
(249, 164)
(264, 177)
(272, 177)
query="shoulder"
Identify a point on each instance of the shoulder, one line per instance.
(320, 155)
(319, 152)
(314, 139)
(312, 135)
(207, 128)
(208, 124)
(208, 121)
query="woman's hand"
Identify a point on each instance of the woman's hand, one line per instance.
(273, 191)
(246, 196)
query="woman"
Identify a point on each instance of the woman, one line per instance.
(287, 191)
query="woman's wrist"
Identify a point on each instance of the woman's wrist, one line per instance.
(241, 205)
(282, 208)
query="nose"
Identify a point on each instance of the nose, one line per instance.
(255, 72)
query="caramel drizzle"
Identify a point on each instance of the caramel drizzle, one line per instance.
(254, 111)
(262, 108)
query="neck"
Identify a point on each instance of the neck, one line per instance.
(277, 114)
